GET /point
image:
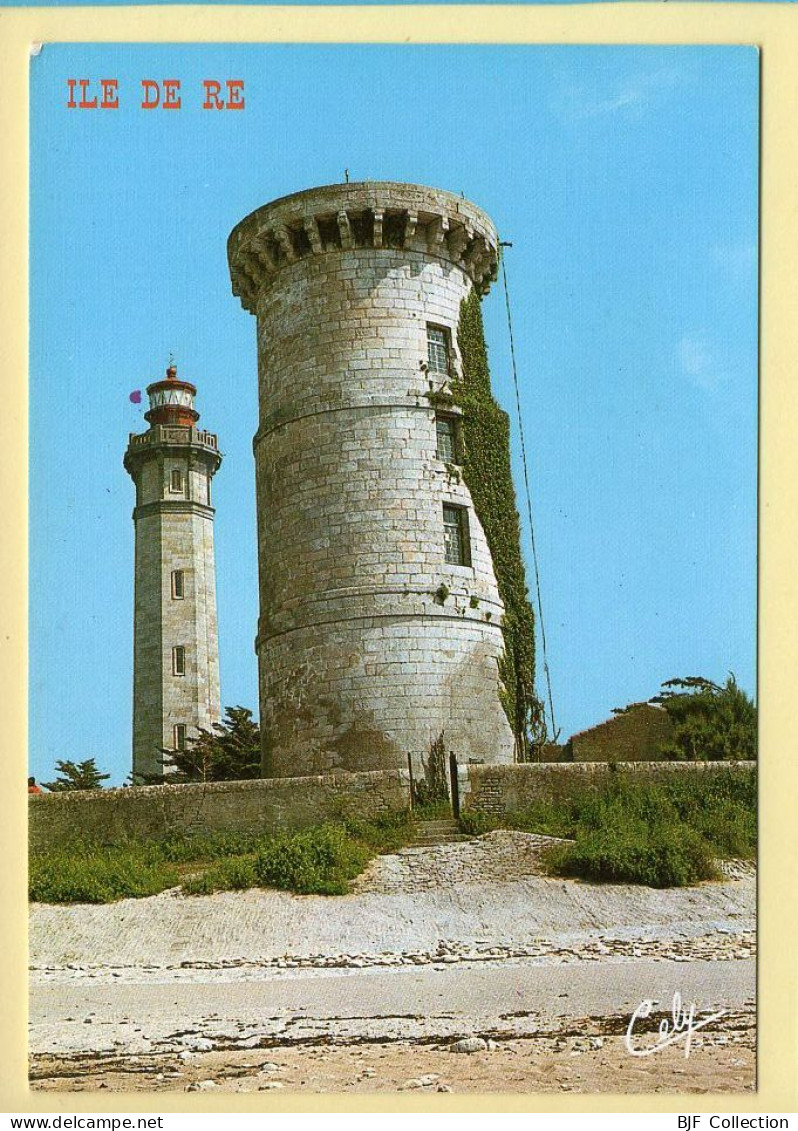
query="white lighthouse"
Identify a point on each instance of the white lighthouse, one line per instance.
(176, 654)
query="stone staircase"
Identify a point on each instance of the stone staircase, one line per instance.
(444, 830)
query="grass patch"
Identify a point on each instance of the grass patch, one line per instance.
(433, 811)
(320, 860)
(88, 874)
(545, 816)
(325, 859)
(191, 848)
(663, 834)
(660, 856)
(237, 873)
(387, 832)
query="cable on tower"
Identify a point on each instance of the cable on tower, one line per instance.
(547, 673)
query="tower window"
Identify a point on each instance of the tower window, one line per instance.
(178, 660)
(179, 736)
(178, 584)
(176, 480)
(446, 438)
(438, 349)
(457, 548)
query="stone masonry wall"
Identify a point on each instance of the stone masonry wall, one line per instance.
(495, 790)
(265, 805)
(273, 804)
(369, 643)
(187, 544)
(174, 530)
(633, 736)
(147, 661)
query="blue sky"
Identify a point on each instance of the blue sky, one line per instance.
(626, 179)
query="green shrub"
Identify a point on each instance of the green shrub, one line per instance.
(659, 856)
(98, 875)
(320, 861)
(475, 823)
(546, 816)
(234, 874)
(729, 829)
(181, 848)
(433, 789)
(663, 833)
(387, 832)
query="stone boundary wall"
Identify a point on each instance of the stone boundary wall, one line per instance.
(496, 790)
(261, 805)
(110, 816)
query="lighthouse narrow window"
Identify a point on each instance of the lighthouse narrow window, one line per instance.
(178, 660)
(178, 584)
(446, 433)
(179, 736)
(176, 483)
(438, 349)
(457, 550)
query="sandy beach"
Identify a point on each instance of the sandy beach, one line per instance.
(263, 990)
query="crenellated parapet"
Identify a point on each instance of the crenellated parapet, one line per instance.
(367, 214)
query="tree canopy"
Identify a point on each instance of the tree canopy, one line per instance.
(76, 775)
(228, 752)
(711, 722)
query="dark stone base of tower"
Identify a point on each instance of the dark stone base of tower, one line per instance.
(366, 691)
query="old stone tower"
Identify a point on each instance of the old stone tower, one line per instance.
(379, 609)
(175, 652)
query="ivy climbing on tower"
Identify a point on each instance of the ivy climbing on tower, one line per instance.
(488, 475)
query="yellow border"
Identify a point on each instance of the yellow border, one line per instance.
(774, 27)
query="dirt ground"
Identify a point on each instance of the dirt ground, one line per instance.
(721, 1062)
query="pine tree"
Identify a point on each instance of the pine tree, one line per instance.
(229, 752)
(76, 775)
(711, 723)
